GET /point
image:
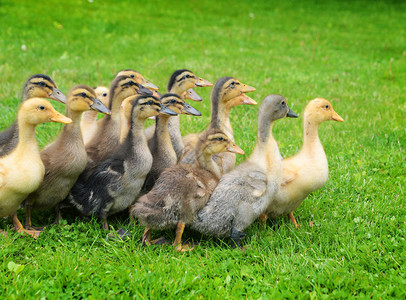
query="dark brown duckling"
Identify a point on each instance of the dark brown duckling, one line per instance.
(116, 182)
(182, 190)
(41, 86)
(160, 144)
(65, 158)
(107, 136)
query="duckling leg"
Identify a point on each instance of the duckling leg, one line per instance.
(19, 227)
(235, 236)
(58, 215)
(28, 211)
(292, 219)
(178, 239)
(146, 237)
(105, 223)
(262, 219)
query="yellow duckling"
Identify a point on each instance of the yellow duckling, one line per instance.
(22, 170)
(306, 171)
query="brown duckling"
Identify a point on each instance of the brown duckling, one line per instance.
(22, 170)
(88, 123)
(182, 190)
(107, 136)
(181, 83)
(245, 192)
(227, 93)
(65, 158)
(163, 153)
(138, 78)
(115, 183)
(41, 86)
(306, 171)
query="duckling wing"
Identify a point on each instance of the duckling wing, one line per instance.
(289, 174)
(257, 180)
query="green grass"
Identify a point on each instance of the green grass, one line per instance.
(350, 52)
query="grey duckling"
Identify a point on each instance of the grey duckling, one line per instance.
(65, 158)
(38, 85)
(116, 182)
(182, 190)
(244, 193)
(227, 93)
(160, 144)
(181, 83)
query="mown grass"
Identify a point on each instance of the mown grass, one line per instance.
(352, 53)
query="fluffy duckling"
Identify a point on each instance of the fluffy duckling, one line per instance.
(88, 123)
(65, 158)
(306, 171)
(41, 86)
(138, 78)
(107, 136)
(182, 190)
(244, 193)
(22, 170)
(227, 93)
(163, 153)
(116, 182)
(181, 83)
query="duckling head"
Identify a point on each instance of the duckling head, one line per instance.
(144, 107)
(319, 110)
(183, 80)
(138, 78)
(102, 93)
(178, 105)
(124, 86)
(42, 86)
(35, 111)
(231, 92)
(216, 141)
(82, 98)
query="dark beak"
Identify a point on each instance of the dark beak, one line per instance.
(189, 110)
(167, 111)
(58, 95)
(142, 90)
(100, 107)
(291, 114)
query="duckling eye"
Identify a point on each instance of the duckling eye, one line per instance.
(219, 139)
(173, 101)
(132, 75)
(41, 107)
(327, 106)
(83, 95)
(150, 102)
(283, 103)
(42, 83)
(104, 94)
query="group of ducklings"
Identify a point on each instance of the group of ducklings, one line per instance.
(113, 164)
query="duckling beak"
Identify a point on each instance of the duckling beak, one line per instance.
(291, 114)
(100, 107)
(248, 100)
(233, 148)
(59, 118)
(167, 111)
(58, 95)
(203, 82)
(246, 88)
(336, 117)
(156, 94)
(192, 95)
(149, 85)
(142, 90)
(189, 110)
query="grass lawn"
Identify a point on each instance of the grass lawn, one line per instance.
(351, 242)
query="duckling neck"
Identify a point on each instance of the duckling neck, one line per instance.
(266, 152)
(74, 127)
(205, 161)
(310, 136)
(220, 119)
(115, 105)
(27, 144)
(161, 134)
(137, 129)
(124, 127)
(89, 117)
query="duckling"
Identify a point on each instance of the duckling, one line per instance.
(38, 85)
(88, 123)
(116, 182)
(182, 190)
(306, 171)
(181, 83)
(244, 193)
(22, 171)
(163, 153)
(107, 136)
(227, 93)
(65, 158)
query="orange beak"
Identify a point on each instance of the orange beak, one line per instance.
(336, 117)
(246, 88)
(248, 100)
(203, 82)
(233, 148)
(59, 118)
